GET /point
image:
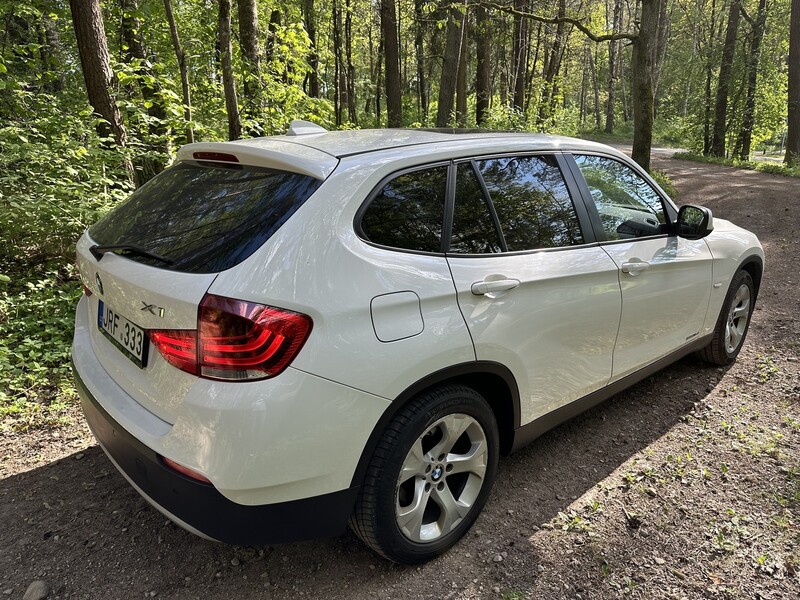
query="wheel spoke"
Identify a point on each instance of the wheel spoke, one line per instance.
(453, 426)
(409, 518)
(473, 461)
(452, 510)
(741, 311)
(414, 464)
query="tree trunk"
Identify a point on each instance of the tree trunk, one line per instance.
(643, 73)
(553, 65)
(184, 71)
(613, 53)
(483, 74)
(519, 56)
(792, 157)
(379, 82)
(313, 57)
(50, 54)
(461, 79)
(723, 84)
(336, 35)
(596, 87)
(419, 50)
(228, 82)
(391, 52)
(251, 55)
(90, 35)
(351, 69)
(150, 165)
(748, 118)
(447, 86)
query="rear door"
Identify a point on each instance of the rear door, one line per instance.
(665, 280)
(536, 293)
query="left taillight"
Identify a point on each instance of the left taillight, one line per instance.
(235, 340)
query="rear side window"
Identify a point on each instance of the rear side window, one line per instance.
(408, 211)
(532, 202)
(204, 217)
(473, 225)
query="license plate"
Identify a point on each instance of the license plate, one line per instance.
(125, 335)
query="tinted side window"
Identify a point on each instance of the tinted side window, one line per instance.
(205, 217)
(473, 225)
(407, 213)
(628, 206)
(532, 202)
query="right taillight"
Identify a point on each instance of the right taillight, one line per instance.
(235, 340)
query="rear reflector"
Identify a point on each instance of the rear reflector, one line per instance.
(87, 291)
(184, 470)
(235, 340)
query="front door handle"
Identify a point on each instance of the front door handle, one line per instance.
(481, 288)
(635, 267)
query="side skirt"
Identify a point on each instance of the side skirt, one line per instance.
(530, 431)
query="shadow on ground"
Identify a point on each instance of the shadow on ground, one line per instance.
(77, 524)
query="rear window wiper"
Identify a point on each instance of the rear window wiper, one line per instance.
(99, 251)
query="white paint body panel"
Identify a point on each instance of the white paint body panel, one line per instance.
(664, 306)
(555, 331)
(256, 441)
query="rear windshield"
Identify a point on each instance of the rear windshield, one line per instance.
(204, 217)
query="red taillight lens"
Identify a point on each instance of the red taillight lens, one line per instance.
(178, 346)
(87, 291)
(235, 340)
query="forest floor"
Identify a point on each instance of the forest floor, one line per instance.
(685, 486)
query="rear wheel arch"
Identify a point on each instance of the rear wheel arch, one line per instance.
(493, 381)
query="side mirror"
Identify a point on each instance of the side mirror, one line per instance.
(694, 222)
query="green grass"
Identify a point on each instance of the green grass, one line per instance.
(762, 167)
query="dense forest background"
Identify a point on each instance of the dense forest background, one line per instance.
(96, 97)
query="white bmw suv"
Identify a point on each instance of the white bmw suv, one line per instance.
(281, 336)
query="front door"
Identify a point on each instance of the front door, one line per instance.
(665, 280)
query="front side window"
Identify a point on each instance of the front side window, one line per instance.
(628, 206)
(408, 211)
(532, 202)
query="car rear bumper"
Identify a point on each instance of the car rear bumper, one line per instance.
(199, 507)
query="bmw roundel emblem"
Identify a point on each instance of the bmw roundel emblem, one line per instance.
(99, 283)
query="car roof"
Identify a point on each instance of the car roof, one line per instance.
(311, 150)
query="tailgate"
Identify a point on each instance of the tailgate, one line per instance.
(145, 298)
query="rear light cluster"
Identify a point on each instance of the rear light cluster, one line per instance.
(235, 340)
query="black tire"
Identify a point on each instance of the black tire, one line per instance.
(431, 420)
(733, 322)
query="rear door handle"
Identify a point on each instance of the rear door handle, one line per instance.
(635, 267)
(481, 288)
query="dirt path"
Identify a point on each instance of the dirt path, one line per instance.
(685, 486)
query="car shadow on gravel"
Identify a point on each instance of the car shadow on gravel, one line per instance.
(77, 524)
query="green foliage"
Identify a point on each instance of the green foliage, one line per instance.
(36, 316)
